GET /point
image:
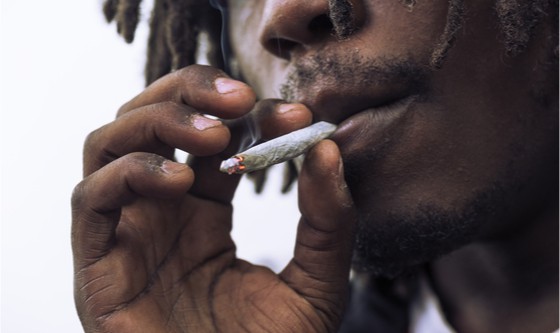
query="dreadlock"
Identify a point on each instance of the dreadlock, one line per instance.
(126, 13)
(519, 18)
(175, 29)
(176, 26)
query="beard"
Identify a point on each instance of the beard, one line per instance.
(393, 243)
(403, 242)
(353, 71)
(390, 243)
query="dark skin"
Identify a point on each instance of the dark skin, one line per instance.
(151, 236)
(476, 124)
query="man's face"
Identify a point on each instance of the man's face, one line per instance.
(435, 158)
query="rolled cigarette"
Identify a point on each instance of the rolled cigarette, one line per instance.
(278, 150)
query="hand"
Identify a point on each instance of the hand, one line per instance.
(151, 237)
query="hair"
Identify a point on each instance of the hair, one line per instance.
(177, 26)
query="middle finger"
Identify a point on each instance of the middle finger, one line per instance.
(157, 128)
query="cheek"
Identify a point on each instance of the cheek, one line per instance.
(394, 29)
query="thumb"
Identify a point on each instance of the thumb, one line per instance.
(320, 268)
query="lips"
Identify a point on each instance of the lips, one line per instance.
(337, 107)
(368, 126)
(362, 96)
(362, 116)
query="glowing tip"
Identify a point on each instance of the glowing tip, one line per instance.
(232, 165)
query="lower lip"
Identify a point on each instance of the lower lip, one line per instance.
(362, 128)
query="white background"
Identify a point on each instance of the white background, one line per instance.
(64, 72)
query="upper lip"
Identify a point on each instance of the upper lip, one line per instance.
(334, 89)
(335, 103)
(335, 107)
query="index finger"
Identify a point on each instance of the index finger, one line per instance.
(272, 118)
(207, 89)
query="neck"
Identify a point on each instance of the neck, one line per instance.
(504, 285)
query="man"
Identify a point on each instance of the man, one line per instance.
(438, 189)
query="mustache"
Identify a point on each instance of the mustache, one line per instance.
(353, 72)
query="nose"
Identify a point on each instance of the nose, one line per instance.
(294, 24)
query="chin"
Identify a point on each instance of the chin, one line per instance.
(396, 243)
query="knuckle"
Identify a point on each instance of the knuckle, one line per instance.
(78, 195)
(202, 76)
(168, 107)
(92, 139)
(123, 109)
(149, 162)
(197, 69)
(127, 107)
(96, 151)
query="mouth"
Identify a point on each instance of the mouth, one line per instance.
(368, 125)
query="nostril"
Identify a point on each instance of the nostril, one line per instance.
(321, 25)
(295, 26)
(318, 28)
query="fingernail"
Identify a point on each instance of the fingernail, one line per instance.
(285, 108)
(225, 86)
(201, 123)
(170, 167)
